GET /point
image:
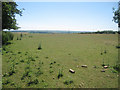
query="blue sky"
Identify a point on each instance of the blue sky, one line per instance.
(75, 16)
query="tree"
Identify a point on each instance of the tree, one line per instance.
(9, 10)
(116, 17)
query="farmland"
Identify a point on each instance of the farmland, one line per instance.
(24, 66)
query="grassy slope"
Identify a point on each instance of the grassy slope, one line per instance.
(68, 50)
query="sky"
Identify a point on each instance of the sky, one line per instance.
(69, 16)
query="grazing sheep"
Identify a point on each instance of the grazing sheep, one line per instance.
(105, 66)
(84, 66)
(72, 71)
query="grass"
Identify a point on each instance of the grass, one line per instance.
(59, 51)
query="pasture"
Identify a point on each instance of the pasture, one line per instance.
(24, 66)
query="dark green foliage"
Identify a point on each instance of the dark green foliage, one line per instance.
(21, 35)
(50, 66)
(116, 17)
(105, 32)
(19, 52)
(33, 82)
(46, 57)
(9, 10)
(27, 67)
(117, 67)
(16, 63)
(6, 82)
(11, 72)
(37, 57)
(67, 82)
(5, 75)
(39, 72)
(31, 58)
(25, 75)
(51, 71)
(51, 63)
(39, 47)
(118, 47)
(114, 71)
(60, 74)
(17, 38)
(12, 84)
(21, 60)
(105, 51)
(6, 36)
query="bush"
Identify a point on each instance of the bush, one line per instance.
(25, 74)
(51, 71)
(21, 35)
(118, 46)
(31, 58)
(21, 60)
(6, 82)
(60, 74)
(17, 38)
(67, 82)
(6, 36)
(39, 73)
(33, 82)
(39, 47)
(19, 52)
(117, 67)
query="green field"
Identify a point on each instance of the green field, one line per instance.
(24, 66)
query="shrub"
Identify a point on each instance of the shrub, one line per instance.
(5, 75)
(46, 57)
(17, 38)
(45, 84)
(39, 73)
(11, 72)
(60, 74)
(4, 48)
(103, 63)
(6, 36)
(51, 63)
(16, 63)
(21, 35)
(6, 82)
(51, 71)
(33, 82)
(118, 46)
(67, 82)
(31, 58)
(114, 71)
(50, 66)
(105, 51)
(21, 60)
(25, 75)
(39, 47)
(117, 67)
(19, 52)
(37, 57)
